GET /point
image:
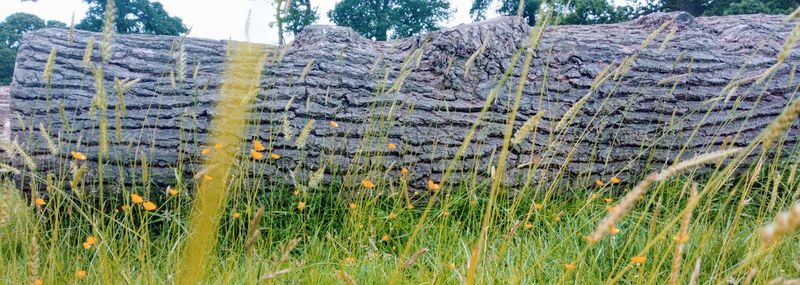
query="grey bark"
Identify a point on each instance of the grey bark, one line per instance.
(5, 124)
(625, 127)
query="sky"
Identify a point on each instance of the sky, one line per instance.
(212, 19)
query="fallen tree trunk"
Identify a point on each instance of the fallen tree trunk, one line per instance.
(420, 94)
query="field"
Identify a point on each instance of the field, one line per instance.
(728, 216)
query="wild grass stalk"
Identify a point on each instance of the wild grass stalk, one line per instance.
(241, 80)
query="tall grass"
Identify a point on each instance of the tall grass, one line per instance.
(230, 223)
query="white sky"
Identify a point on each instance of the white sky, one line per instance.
(213, 19)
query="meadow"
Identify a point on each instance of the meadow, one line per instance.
(724, 217)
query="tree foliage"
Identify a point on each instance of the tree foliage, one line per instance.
(300, 15)
(588, 12)
(11, 31)
(723, 7)
(133, 17)
(574, 12)
(380, 19)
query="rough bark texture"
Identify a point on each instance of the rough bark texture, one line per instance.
(5, 124)
(624, 127)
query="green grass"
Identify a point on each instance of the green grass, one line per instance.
(348, 234)
(137, 246)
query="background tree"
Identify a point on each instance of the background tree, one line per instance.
(591, 12)
(300, 15)
(574, 12)
(11, 31)
(721, 7)
(508, 8)
(133, 17)
(377, 19)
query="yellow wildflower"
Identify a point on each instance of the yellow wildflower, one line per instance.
(274, 155)
(681, 238)
(136, 199)
(149, 206)
(433, 186)
(256, 155)
(257, 146)
(172, 192)
(638, 260)
(615, 180)
(367, 184)
(78, 156)
(301, 205)
(352, 206)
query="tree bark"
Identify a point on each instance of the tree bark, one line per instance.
(646, 119)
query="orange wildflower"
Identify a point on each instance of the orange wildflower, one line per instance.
(301, 205)
(537, 206)
(392, 146)
(599, 182)
(615, 180)
(334, 124)
(205, 151)
(80, 274)
(256, 155)
(236, 215)
(433, 186)
(404, 171)
(352, 206)
(569, 266)
(136, 199)
(258, 146)
(367, 184)
(39, 202)
(638, 260)
(172, 192)
(78, 156)
(274, 155)
(149, 206)
(385, 238)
